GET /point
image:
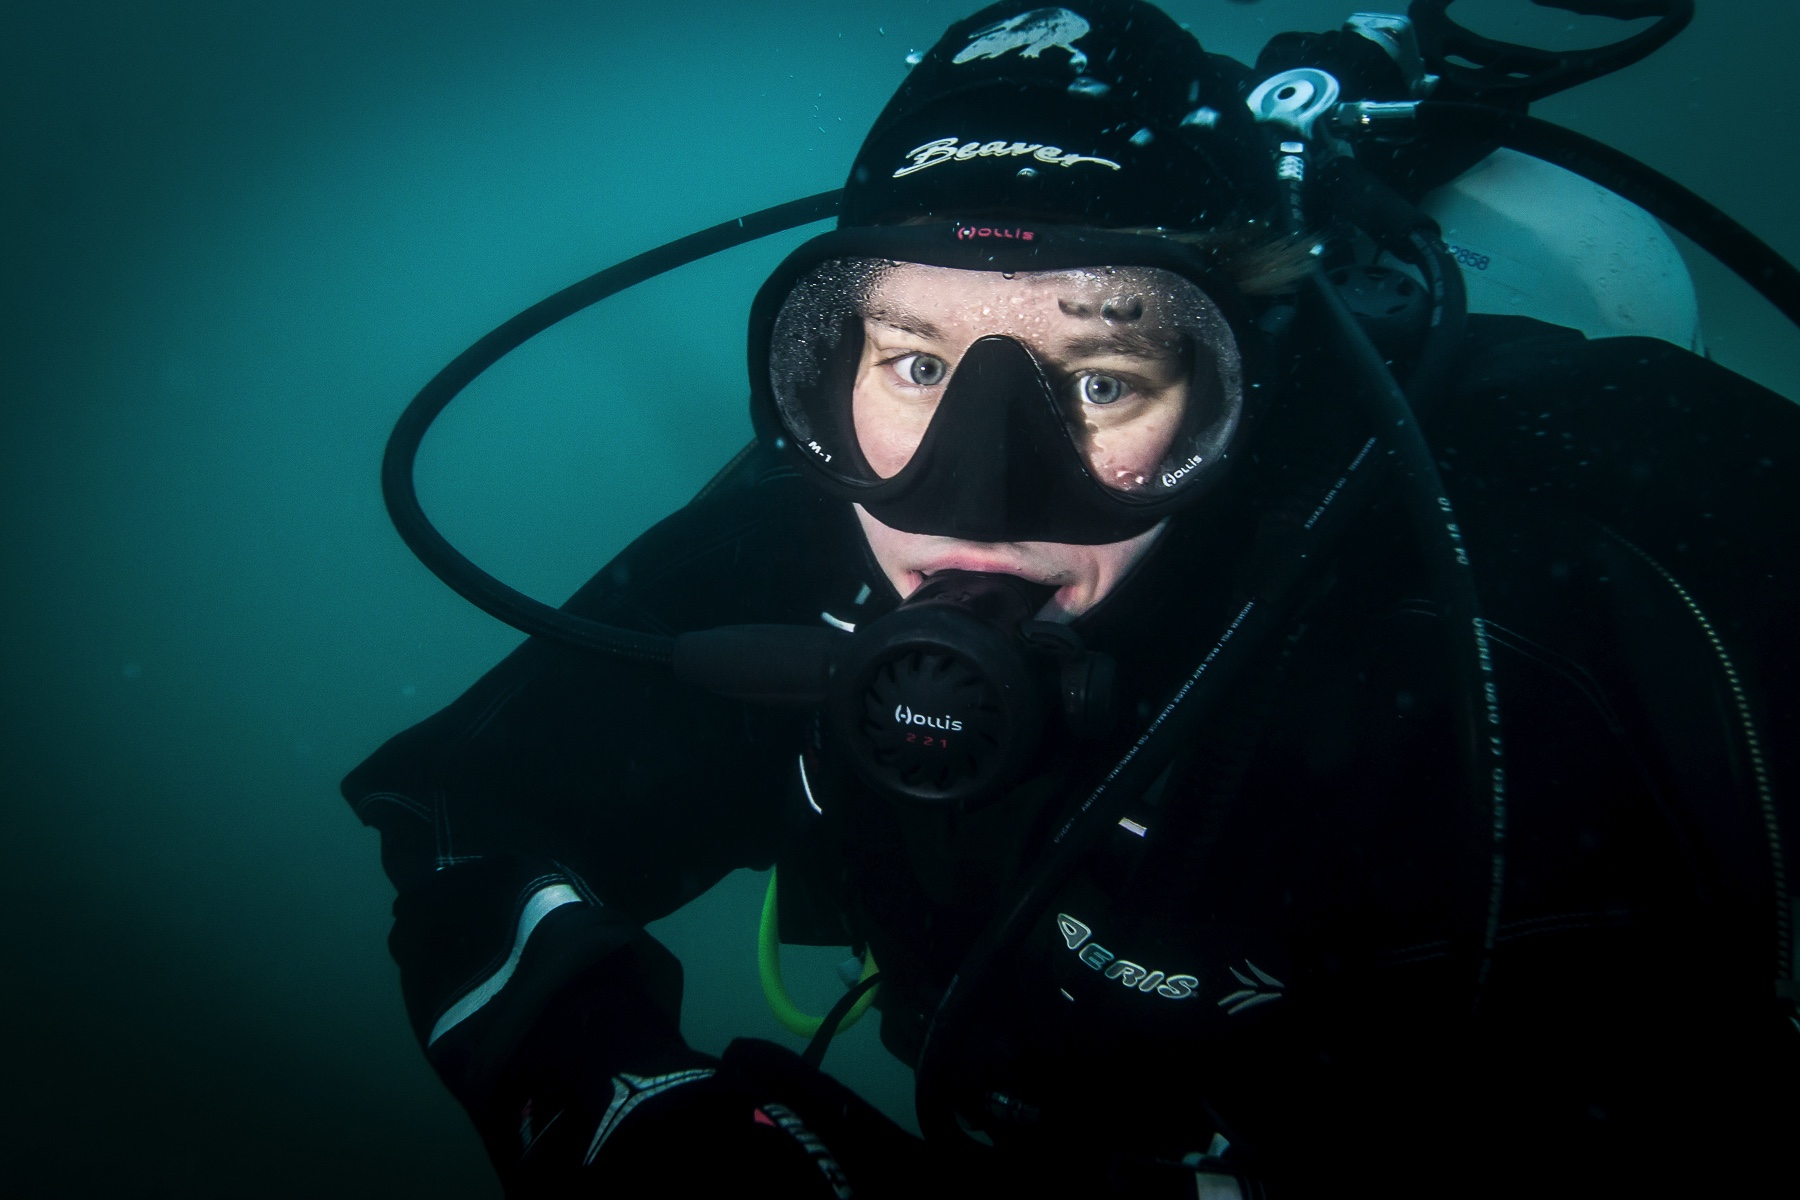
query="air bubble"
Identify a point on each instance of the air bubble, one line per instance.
(1086, 85)
(1027, 172)
(914, 58)
(1143, 137)
(1206, 118)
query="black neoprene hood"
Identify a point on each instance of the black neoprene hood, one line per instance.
(1107, 114)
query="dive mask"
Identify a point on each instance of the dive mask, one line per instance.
(1002, 383)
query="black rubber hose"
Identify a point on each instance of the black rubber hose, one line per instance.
(1365, 201)
(1451, 578)
(1472, 64)
(814, 1054)
(397, 486)
(1391, 218)
(1753, 259)
(1477, 703)
(1442, 351)
(1452, 584)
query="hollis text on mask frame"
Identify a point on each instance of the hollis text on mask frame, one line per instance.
(946, 149)
(1076, 934)
(1171, 478)
(965, 232)
(904, 715)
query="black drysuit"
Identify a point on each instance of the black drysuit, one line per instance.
(1273, 958)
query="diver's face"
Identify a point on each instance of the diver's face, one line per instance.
(1124, 382)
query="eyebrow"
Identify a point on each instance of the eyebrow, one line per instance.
(1128, 343)
(1131, 345)
(903, 320)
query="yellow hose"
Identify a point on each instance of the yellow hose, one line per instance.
(768, 964)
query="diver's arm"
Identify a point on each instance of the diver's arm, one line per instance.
(528, 991)
(548, 1012)
(538, 998)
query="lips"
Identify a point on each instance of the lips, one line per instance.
(907, 558)
(988, 565)
(983, 564)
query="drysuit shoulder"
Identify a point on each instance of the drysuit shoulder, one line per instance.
(1685, 458)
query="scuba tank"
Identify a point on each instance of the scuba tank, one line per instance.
(1535, 240)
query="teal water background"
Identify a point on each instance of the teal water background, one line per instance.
(236, 239)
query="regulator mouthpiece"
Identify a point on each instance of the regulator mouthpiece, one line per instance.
(942, 702)
(939, 702)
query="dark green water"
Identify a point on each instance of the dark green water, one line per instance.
(236, 239)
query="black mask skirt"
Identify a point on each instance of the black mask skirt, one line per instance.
(1004, 382)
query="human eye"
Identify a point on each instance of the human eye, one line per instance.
(918, 370)
(1101, 389)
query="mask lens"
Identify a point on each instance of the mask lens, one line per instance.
(1145, 373)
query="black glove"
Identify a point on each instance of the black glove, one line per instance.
(759, 1122)
(603, 1091)
(706, 1131)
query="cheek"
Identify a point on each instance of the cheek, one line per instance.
(1090, 573)
(1113, 559)
(887, 430)
(1126, 456)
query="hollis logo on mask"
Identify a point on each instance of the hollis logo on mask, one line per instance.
(945, 149)
(1171, 478)
(904, 715)
(966, 232)
(1128, 973)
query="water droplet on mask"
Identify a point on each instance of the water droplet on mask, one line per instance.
(1085, 85)
(1143, 137)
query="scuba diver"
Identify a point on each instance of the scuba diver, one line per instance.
(1264, 728)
